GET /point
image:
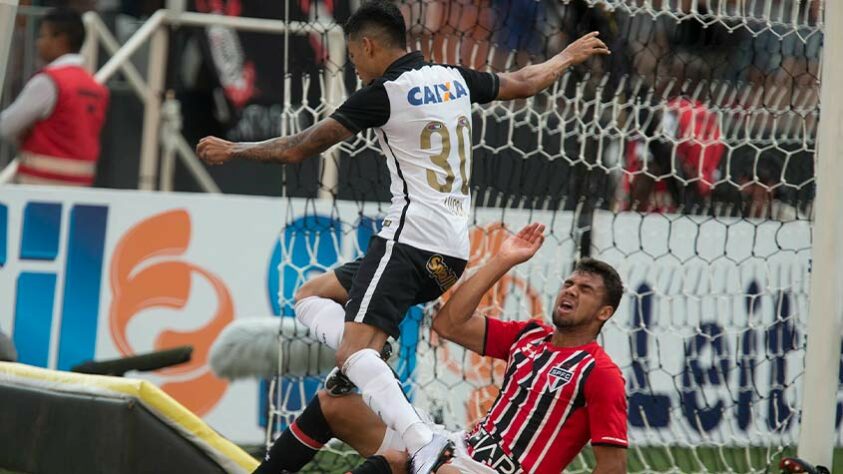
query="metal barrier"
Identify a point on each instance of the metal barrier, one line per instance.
(161, 124)
(23, 56)
(162, 139)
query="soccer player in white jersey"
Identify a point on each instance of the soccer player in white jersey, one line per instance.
(421, 113)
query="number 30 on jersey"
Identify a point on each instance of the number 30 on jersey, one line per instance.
(463, 131)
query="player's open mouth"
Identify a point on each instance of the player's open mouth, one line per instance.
(566, 306)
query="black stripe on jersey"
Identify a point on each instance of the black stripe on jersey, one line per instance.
(505, 421)
(570, 362)
(571, 407)
(580, 387)
(513, 409)
(485, 334)
(406, 192)
(580, 400)
(517, 359)
(527, 328)
(542, 409)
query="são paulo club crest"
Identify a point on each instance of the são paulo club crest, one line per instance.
(559, 377)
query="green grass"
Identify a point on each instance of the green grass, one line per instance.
(697, 460)
(673, 460)
(640, 460)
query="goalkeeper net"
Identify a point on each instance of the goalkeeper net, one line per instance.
(685, 159)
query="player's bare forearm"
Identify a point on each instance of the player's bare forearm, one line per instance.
(609, 459)
(605, 468)
(295, 148)
(274, 150)
(530, 80)
(292, 149)
(458, 321)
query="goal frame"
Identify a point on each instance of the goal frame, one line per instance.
(817, 435)
(8, 13)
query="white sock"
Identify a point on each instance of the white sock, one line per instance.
(382, 392)
(324, 317)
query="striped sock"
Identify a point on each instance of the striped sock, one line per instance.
(299, 443)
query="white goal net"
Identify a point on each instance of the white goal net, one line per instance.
(685, 159)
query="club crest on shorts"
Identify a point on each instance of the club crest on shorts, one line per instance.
(441, 272)
(559, 377)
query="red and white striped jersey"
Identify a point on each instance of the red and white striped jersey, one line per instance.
(553, 400)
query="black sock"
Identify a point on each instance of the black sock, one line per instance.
(373, 465)
(299, 443)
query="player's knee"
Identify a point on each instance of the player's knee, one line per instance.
(308, 289)
(364, 355)
(347, 354)
(328, 405)
(326, 285)
(301, 309)
(356, 340)
(397, 460)
(342, 356)
(348, 346)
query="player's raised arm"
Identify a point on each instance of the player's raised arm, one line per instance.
(457, 321)
(531, 80)
(291, 149)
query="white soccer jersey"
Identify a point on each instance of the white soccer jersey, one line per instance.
(421, 113)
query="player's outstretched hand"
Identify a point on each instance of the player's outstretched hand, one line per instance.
(522, 246)
(214, 151)
(585, 47)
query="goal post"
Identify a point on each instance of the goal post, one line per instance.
(817, 437)
(8, 11)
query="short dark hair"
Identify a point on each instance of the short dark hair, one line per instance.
(380, 14)
(611, 280)
(65, 21)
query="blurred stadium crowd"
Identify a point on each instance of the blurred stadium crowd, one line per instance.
(694, 112)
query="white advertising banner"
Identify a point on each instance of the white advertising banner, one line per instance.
(709, 333)
(89, 274)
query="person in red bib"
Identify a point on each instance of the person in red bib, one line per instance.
(57, 118)
(675, 171)
(560, 389)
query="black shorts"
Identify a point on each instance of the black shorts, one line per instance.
(392, 277)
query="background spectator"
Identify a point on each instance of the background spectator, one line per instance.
(675, 164)
(58, 116)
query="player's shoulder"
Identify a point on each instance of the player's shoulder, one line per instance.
(450, 67)
(533, 329)
(456, 71)
(602, 360)
(369, 93)
(412, 61)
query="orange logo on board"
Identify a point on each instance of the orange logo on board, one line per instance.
(146, 272)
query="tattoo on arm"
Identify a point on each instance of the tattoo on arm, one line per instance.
(324, 135)
(270, 150)
(295, 148)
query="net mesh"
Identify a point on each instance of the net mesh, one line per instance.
(685, 159)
